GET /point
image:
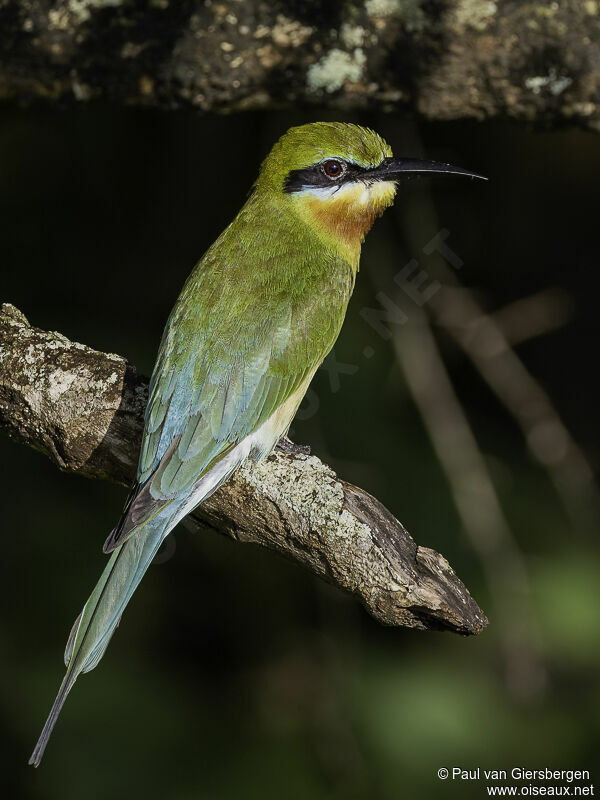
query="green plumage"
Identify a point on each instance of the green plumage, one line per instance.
(255, 319)
(242, 336)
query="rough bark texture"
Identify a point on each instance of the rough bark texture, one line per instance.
(445, 59)
(84, 409)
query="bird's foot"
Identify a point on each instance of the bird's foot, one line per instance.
(287, 446)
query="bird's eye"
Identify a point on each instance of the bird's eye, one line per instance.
(333, 168)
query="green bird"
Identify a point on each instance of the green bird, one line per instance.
(254, 321)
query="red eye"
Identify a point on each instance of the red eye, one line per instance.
(332, 168)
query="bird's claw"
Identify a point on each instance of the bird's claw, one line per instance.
(292, 448)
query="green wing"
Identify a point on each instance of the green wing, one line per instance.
(227, 361)
(204, 403)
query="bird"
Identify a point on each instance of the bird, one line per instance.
(256, 317)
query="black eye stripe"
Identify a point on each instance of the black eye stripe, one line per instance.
(315, 176)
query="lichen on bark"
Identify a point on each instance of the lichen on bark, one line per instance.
(441, 59)
(84, 409)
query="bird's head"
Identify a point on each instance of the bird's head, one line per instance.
(339, 177)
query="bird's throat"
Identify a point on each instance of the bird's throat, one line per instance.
(346, 216)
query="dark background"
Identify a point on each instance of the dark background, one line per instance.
(235, 674)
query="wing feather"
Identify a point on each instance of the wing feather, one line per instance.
(228, 360)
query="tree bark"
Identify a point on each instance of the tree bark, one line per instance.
(531, 60)
(84, 410)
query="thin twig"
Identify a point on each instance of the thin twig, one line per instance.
(536, 315)
(475, 498)
(548, 439)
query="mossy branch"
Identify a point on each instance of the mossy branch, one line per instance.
(441, 59)
(84, 410)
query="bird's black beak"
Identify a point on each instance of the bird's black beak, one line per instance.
(395, 169)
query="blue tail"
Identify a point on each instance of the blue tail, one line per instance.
(100, 616)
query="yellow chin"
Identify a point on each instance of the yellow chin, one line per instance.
(358, 198)
(376, 196)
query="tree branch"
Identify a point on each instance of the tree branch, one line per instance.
(84, 409)
(444, 59)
